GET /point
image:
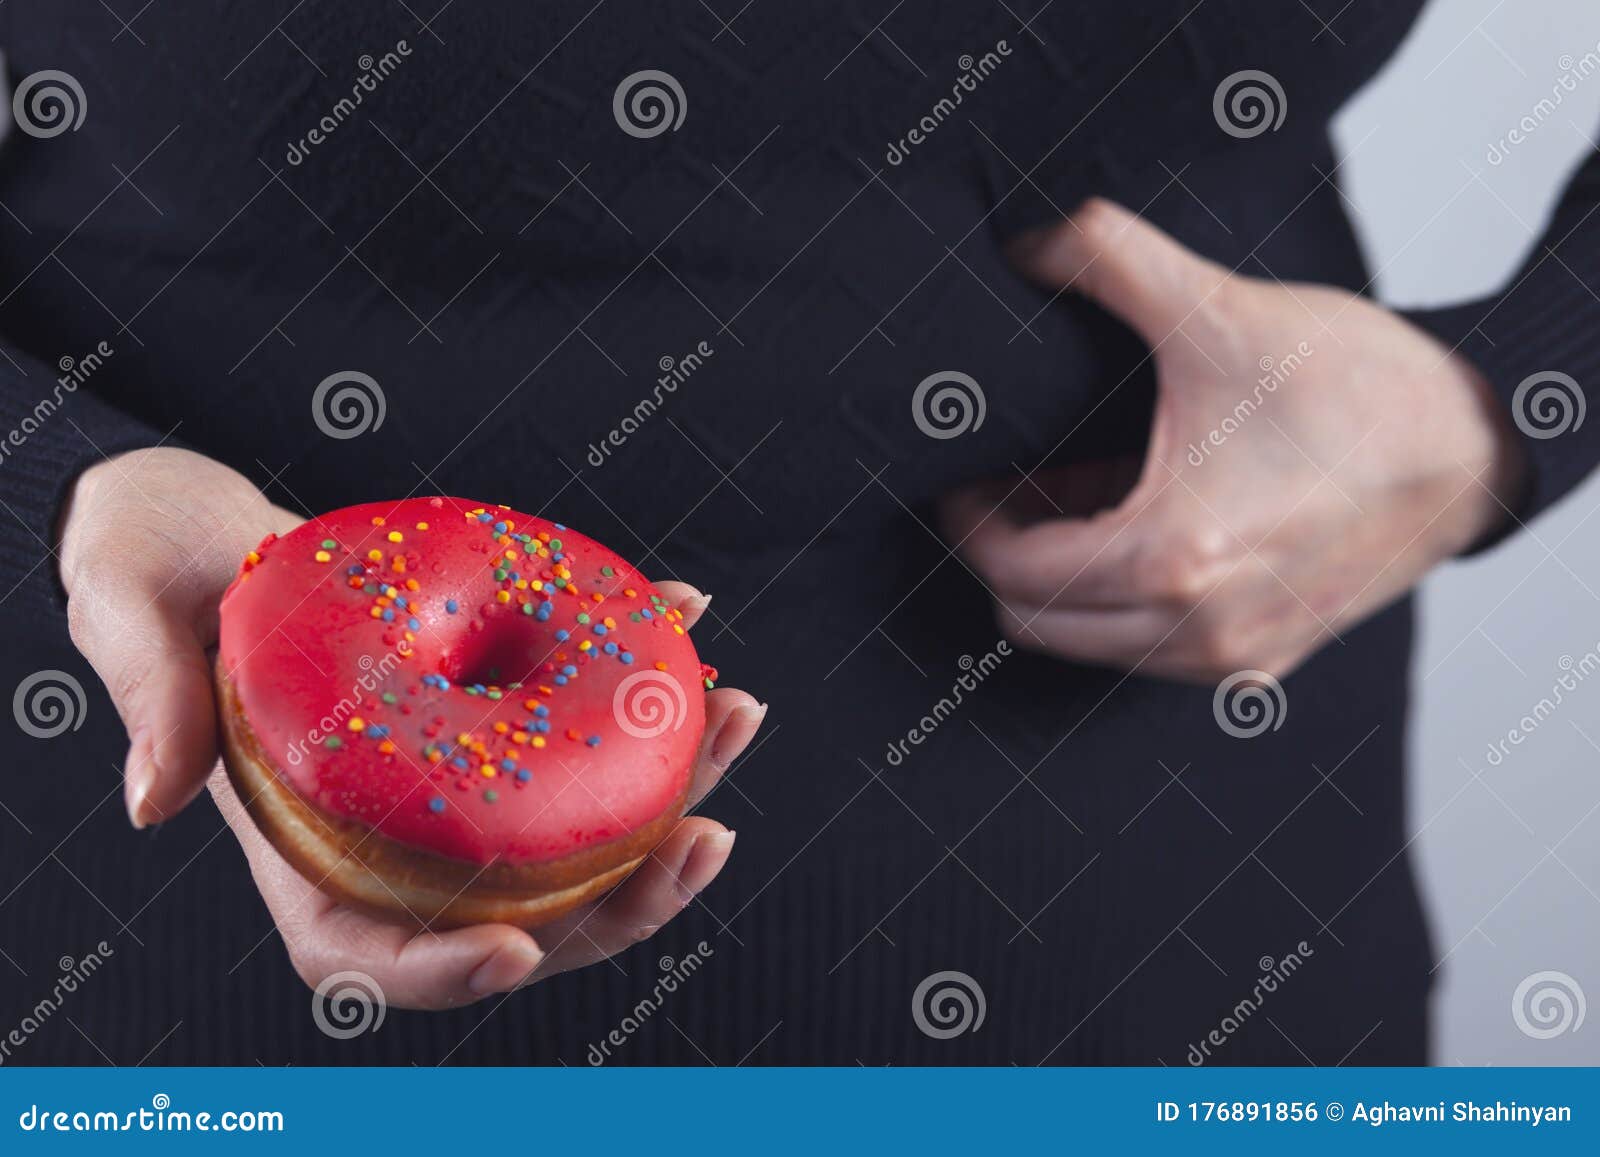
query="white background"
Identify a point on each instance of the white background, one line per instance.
(1509, 854)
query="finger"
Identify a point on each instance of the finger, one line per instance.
(1121, 261)
(678, 869)
(685, 598)
(146, 650)
(732, 720)
(664, 884)
(418, 968)
(1107, 637)
(1077, 561)
(415, 969)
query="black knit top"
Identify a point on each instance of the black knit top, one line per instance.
(479, 234)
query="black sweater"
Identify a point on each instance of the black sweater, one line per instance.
(479, 235)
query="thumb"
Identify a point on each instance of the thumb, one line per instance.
(153, 662)
(1119, 260)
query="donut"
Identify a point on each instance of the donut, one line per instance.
(451, 713)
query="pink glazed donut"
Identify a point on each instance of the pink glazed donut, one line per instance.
(454, 713)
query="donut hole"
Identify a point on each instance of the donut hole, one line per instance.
(500, 654)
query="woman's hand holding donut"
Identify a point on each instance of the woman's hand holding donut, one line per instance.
(149, 542)
(1312, 455)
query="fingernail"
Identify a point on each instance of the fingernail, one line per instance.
(508, 967)
(736, 733)
(140, 778)
(700, 603)
(706, 856)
